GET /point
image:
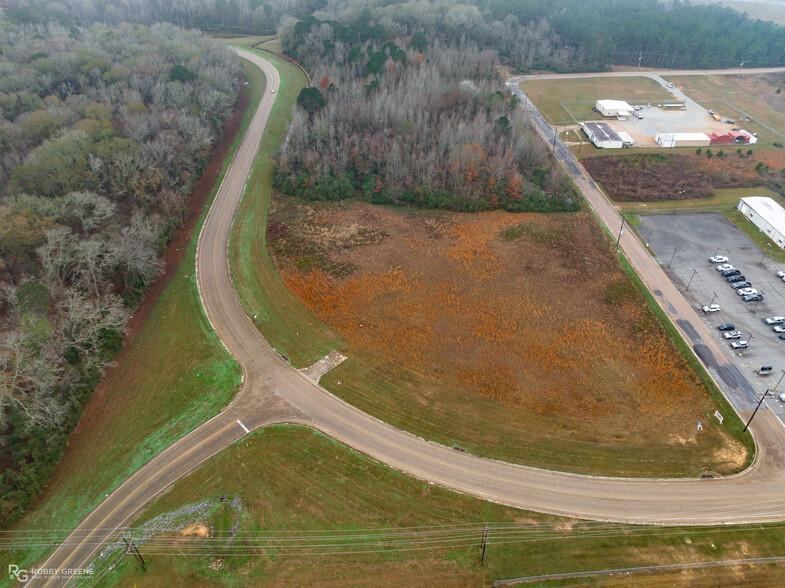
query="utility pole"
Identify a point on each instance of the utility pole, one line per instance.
(580, 134)
(621, 230)
(755, 412)
(640, 58)
(132, 547)
(484, 544)
(694, 271)
(555, 134)
(740, 66)
(675, 249)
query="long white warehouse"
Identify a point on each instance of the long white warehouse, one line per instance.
(683, 139)
(767, 215)
(613, 108)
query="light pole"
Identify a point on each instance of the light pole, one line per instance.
(649, 237)
(539, 103)
(677, 201)
(694, 271)
(764, 254)
(675, 249)
(778, 382)
(713, 298)
(740, 66)
(755, 412)
(621, 230)
(555, 134)
(640, 58)
(716, 251)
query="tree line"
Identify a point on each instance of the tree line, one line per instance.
(410, 120)
(103, 133)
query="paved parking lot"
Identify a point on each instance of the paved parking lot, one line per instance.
(683, 244)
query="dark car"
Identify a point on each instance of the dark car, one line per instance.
(726, 327)
(752, 297)
(736, 278)
(731, 272)
(782, 336)
(740, 285)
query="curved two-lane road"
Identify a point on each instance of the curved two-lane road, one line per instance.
(273, 391)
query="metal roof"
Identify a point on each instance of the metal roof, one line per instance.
(614, 105)
(768, 210)
(602, 131)
(684, 136)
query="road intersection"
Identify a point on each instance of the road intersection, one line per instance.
(275, 392)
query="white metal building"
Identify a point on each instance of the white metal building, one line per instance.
(767, 215)
(683, 139)
(613, 108)
(602, 135)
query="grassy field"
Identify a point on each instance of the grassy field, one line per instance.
(756, 235)
(278, 315)
(723, 199)
(578, 95)
(287, 481)
(448, 336)
(769, 10)
(172, 377)
(731, 100)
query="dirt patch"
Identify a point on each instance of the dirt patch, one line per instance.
(660, 177)
(197, 530)
(529, 309)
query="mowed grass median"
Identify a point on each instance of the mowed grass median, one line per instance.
(263, 499)
(171, 377)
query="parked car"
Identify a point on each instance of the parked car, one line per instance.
(711, 308)
(779, 329)
(726, 327)
(731, 272)
(775, 320)
(781, 274)
(738, 285)
(745, 291)
(732, 335)
(718, 259)
(782, 397)
(594, 109)
(711, 112)
(724, 266)
(736, 278)
(670, 85)
(740, 344)
(782, 336)
(752, 297)
(638, 115)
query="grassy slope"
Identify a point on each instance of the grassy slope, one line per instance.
(291, 479)
(174, 376)
(723, 199)
(756, 235)
(277, 313)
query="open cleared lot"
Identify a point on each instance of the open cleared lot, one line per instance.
(568, 100)
(731, 100)
(284, 482)
(689, 240)
(515, 336)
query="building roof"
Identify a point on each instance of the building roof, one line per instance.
(602, 131)
(718, 134)
(735, 134)
(626, 137)
(769, 210)
(684, 136)
(614, 105)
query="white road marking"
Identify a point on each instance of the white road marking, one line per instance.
(243, 426)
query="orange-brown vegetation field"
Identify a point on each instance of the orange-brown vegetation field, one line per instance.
(659, 177)
(518, 335)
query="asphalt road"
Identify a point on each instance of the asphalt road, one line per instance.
(273, 391)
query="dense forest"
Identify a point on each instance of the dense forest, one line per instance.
(410, 121)
(527, 34)
(104, 132)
